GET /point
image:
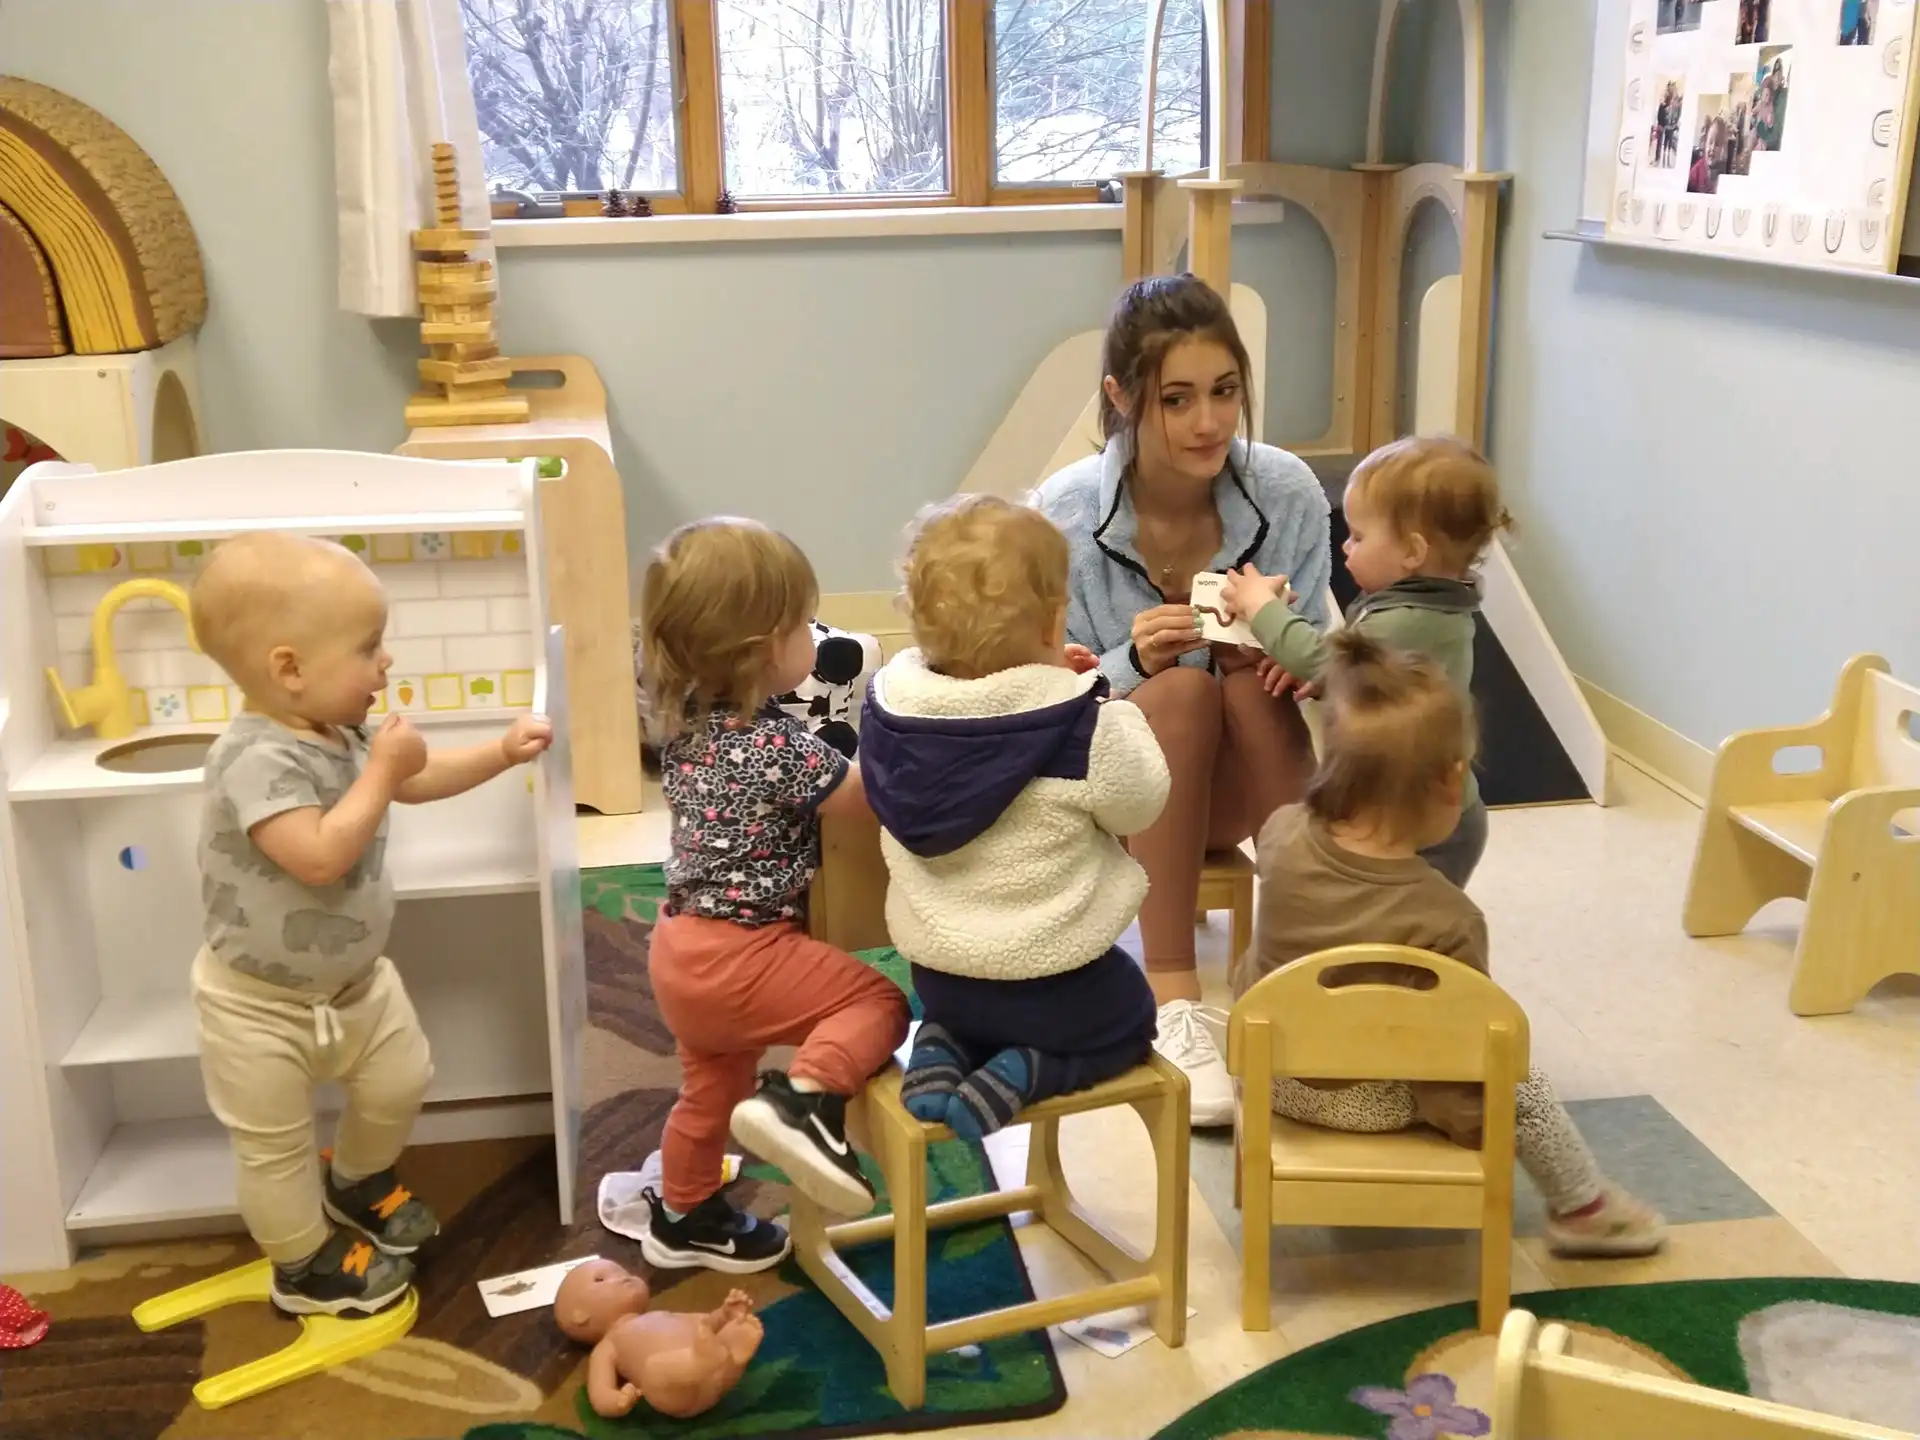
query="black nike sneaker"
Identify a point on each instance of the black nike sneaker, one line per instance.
(714, 1235)
(805, 1134)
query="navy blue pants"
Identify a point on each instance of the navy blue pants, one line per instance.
(1086, 1025)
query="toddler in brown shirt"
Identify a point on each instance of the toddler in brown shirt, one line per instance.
(1345, 869)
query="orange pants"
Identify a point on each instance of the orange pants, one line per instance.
(727, 992)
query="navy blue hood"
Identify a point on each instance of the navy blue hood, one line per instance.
(938, 782)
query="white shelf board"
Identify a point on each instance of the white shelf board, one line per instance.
(420, 523)
(70, 769)
(159, 1171)
(127, 1029)
(168, 1170)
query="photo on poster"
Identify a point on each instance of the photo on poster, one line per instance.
(1772, 78)
(1742, 90)
(1678, 15)
(1712, 145)
(1857, 19)
(1663, 136)
(1753, 23)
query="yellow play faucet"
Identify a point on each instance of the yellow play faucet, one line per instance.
(107, 704)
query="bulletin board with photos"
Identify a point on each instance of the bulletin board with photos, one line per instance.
(1774, 130)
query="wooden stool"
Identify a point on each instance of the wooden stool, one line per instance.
(899, 1141)
(1226, 883)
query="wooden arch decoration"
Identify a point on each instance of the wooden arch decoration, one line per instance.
(115, 234)
(1473, 81)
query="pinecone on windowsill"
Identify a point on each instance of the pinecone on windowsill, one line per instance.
(726, 204)
(613, 205)
(639, 206)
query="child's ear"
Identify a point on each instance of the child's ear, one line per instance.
(1057, 631)
(1417, 550)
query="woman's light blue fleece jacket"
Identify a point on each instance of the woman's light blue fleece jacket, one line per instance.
(1273, 514)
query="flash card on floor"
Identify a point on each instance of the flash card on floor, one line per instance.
(1206, 599)
(1114, 1333)
(526, 1289)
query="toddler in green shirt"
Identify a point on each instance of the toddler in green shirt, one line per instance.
(1420, 514)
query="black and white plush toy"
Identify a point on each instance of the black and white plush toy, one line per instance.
(828, 701)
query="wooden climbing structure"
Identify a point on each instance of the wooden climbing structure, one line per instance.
(465, 378)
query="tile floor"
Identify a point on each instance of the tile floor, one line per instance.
(1778, 1145)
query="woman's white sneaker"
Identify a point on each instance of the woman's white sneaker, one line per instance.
(1185, 1041)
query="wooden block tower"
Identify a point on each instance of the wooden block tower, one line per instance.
(466, 376)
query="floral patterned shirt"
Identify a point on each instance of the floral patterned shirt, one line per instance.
(744, 796)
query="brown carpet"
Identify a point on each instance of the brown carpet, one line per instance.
(95, 1377)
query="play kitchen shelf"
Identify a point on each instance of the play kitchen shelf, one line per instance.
(105, 1127)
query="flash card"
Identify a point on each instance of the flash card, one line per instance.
(1213, 622)
(526, 1289)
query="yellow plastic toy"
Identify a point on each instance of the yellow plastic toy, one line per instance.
(107, 703)
(325, 1340)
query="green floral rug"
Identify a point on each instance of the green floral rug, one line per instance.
(1839, 1347)
(814, 1374)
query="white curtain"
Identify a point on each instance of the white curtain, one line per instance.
(398, 70)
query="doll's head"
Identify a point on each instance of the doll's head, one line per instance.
(596, 1295)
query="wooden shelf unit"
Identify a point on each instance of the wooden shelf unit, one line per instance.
(585, 524)
(106, 1126)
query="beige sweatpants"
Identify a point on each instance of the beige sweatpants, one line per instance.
(263, 1048)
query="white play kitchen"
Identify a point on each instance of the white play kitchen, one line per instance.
(106, 710)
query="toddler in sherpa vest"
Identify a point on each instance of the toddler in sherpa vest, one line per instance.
(1003, 778)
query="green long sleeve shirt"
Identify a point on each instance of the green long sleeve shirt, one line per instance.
(1427, 616)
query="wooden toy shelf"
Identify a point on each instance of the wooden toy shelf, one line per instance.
(106, 1129)
(586, 560)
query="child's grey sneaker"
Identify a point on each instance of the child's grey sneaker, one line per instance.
(346, 1275)
(383, 1210)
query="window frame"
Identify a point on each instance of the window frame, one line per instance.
(694, 52)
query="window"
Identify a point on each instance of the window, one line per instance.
(1067, 90)
(804, 103)
(574, 97)
(845, 97)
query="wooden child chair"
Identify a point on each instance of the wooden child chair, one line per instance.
(1309, 1020)
(1226, 883)
(1844, 836)
(848, 909)
(1540, 1392)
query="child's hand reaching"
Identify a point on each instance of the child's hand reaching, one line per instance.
(1080, 659)
(526, 738)
(1277, 682)
(1246, 592)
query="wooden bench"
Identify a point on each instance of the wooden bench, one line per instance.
(1842, 834)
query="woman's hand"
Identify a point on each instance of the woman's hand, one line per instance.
(1165, 633)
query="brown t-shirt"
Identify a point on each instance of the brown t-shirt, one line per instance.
(1315, 896)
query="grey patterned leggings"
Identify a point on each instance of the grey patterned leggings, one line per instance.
(1549, 1149)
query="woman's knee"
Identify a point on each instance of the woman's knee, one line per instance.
(1180, 699)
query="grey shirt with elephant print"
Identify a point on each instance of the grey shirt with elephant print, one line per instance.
(260, 920)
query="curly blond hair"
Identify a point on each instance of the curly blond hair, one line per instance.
(1436, 486)
(716, 598)
(986, 583)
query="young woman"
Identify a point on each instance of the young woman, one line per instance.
(1179, 489)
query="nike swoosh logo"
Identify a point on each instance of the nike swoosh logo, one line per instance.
(726, 1249)
(835, 1147)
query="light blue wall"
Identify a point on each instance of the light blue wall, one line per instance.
(828, 388)
(1714, 464)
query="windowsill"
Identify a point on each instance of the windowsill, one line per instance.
(836, 224)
